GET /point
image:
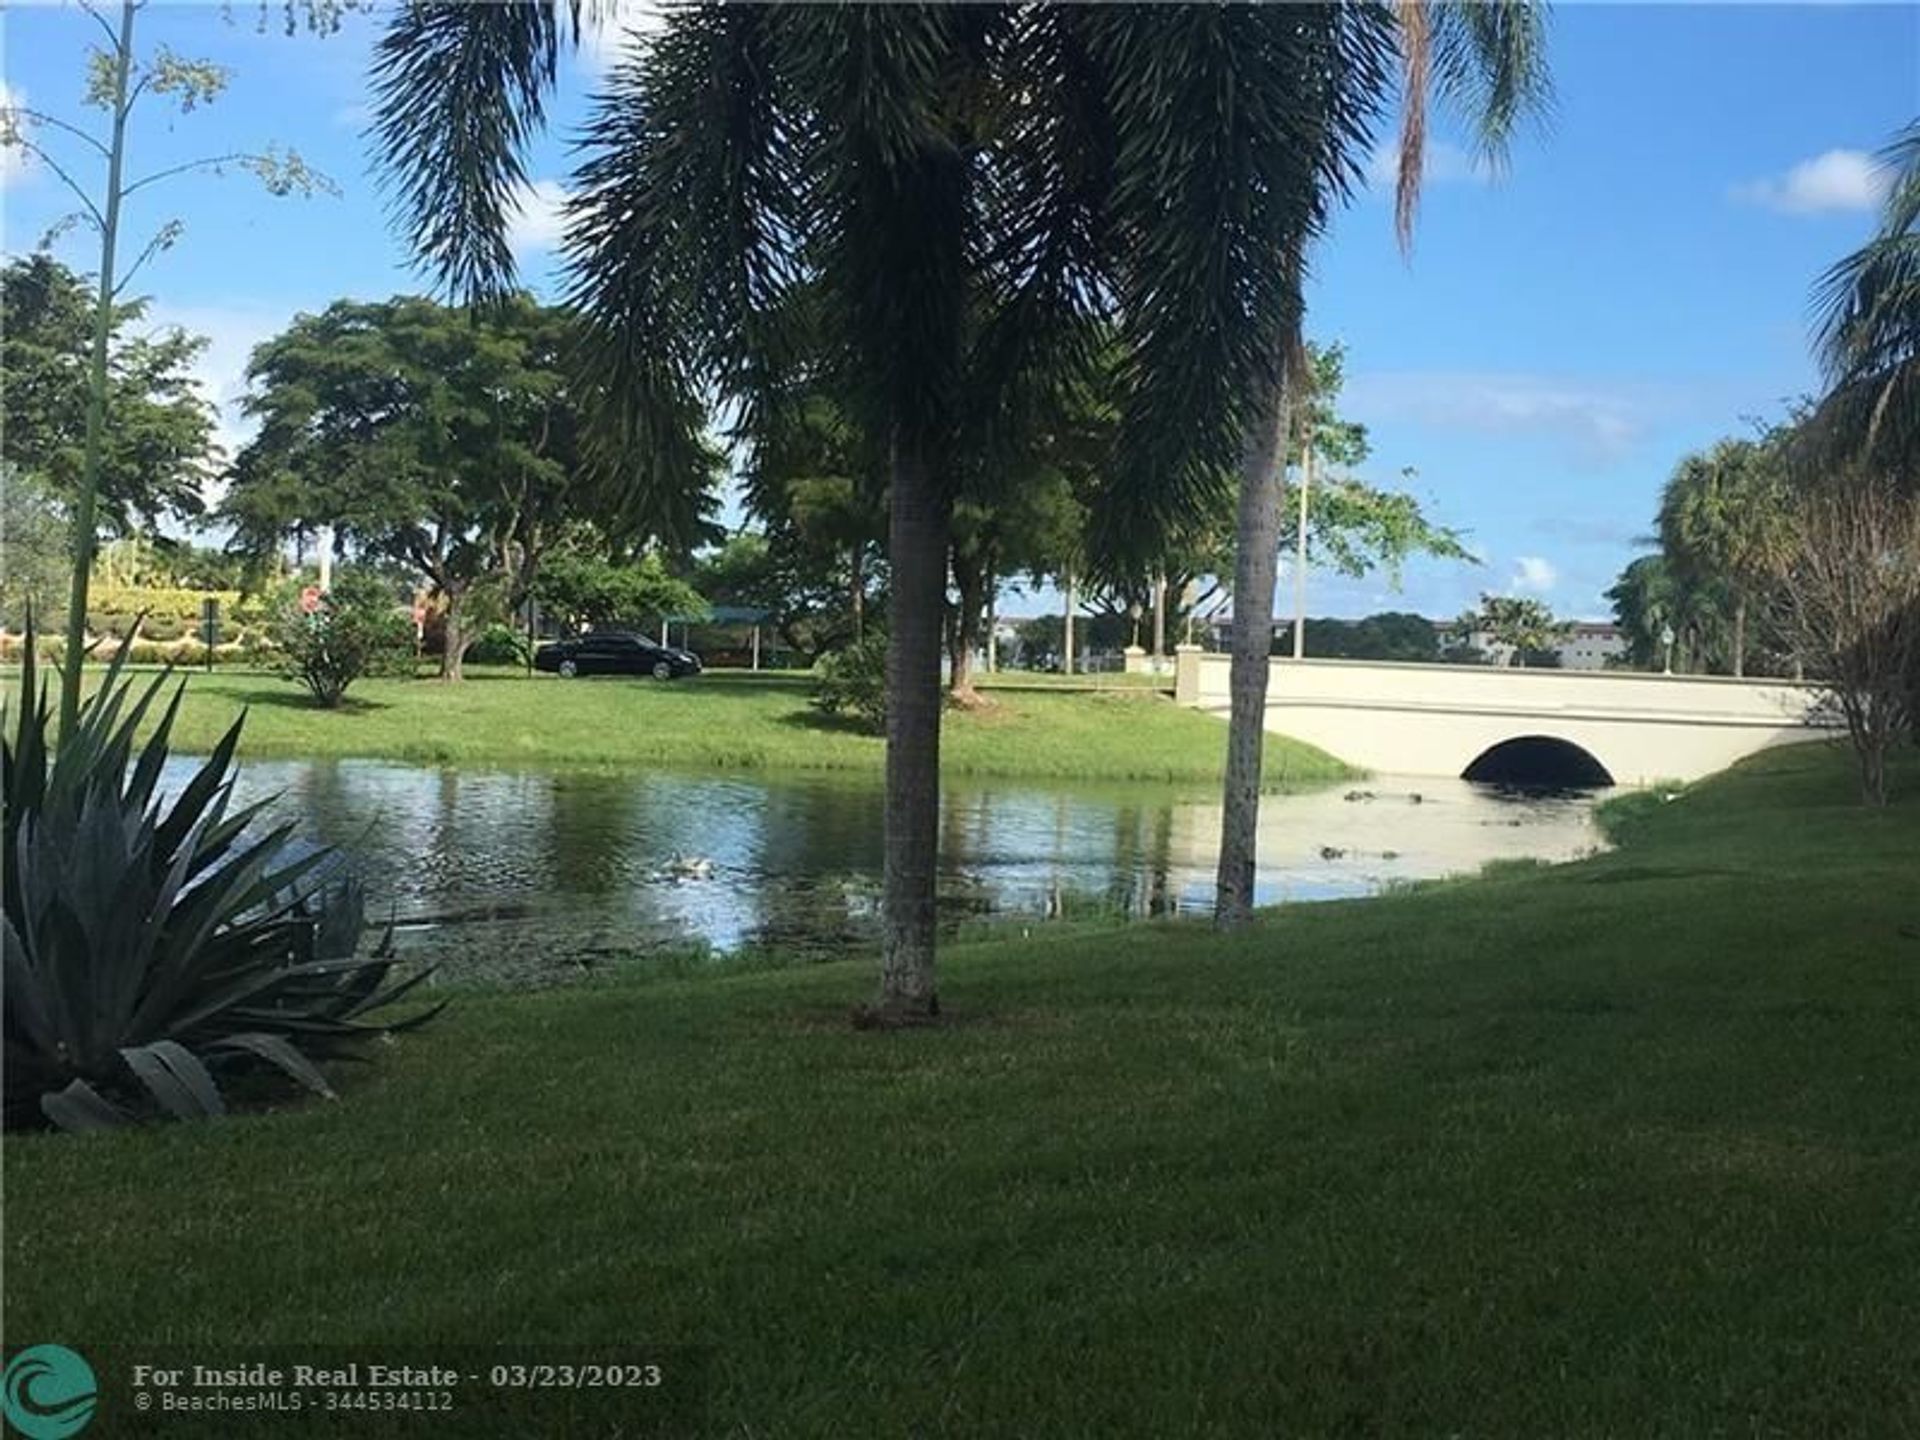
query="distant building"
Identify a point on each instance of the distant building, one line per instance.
(1591, 645)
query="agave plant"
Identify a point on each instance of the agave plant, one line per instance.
(157, 947)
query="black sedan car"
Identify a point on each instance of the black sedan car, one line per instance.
(609, 652)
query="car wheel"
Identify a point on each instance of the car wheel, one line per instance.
(568, 669)
(662, 670)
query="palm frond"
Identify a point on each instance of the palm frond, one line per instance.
(1490, 67)
(1868, 323)
(1045, 184)
(1237, 129)
(893, 192)
(459, 89)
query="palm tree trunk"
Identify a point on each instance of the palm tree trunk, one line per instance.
(993, 625)
(917, 556)
(859, 589)
(968, 582)
(1255, 569)
(1066, 628)
(1739, 637)
(1300, 555)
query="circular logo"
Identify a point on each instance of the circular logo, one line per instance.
(48, 1392)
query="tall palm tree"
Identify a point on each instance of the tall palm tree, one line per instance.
(1240, 130)
(900, 200)
(1870, 329)
(1724, 525)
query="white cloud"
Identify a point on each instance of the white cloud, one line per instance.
(1837, 180)
(1533, 573)
(606, 38)
(356, 116)
(1601, 422)
(1445, 164)
(14, 162)
(538, 218)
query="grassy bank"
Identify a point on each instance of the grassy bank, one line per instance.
(720, 719)
(1625, 1147)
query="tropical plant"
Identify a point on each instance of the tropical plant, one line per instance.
(1519, 625)
(158, 947)
(1870, 330)
(853, 681)
(1724, 526)
(849, 175)
(355, 630)
(1275, 107)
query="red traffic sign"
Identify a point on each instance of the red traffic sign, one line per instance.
(310, 599)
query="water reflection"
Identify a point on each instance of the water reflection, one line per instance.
(560, 868)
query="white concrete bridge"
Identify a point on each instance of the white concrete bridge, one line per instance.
(1508, 723)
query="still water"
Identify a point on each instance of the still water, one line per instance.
(529, 874)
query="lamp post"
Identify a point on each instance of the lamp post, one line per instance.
(1134, 612)
(1666, 644)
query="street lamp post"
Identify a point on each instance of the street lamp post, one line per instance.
(1666, 644)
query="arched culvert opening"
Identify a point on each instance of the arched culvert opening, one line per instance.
(1538, 761)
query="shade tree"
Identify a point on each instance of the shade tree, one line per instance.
(443, 440)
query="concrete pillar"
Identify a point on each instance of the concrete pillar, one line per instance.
(1186, 674)
(1136, 660)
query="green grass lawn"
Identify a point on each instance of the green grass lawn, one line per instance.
(1625, 1147)
(719, 719)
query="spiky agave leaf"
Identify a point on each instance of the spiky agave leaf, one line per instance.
(152, 946)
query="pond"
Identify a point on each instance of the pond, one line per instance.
(526, 875)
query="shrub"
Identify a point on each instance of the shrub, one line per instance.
(155, 948)
(498, 645)
(165, 627)
(358, 630)
(853, 682)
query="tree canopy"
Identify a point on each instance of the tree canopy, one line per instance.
(446, 440)
(158, 439)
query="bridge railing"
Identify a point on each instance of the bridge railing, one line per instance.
(1201, 679)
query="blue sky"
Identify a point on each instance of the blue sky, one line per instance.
(1634, 286)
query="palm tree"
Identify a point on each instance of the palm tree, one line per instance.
(1239, 130)
(1870, 329)
(896, 200)
(1723, 525)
